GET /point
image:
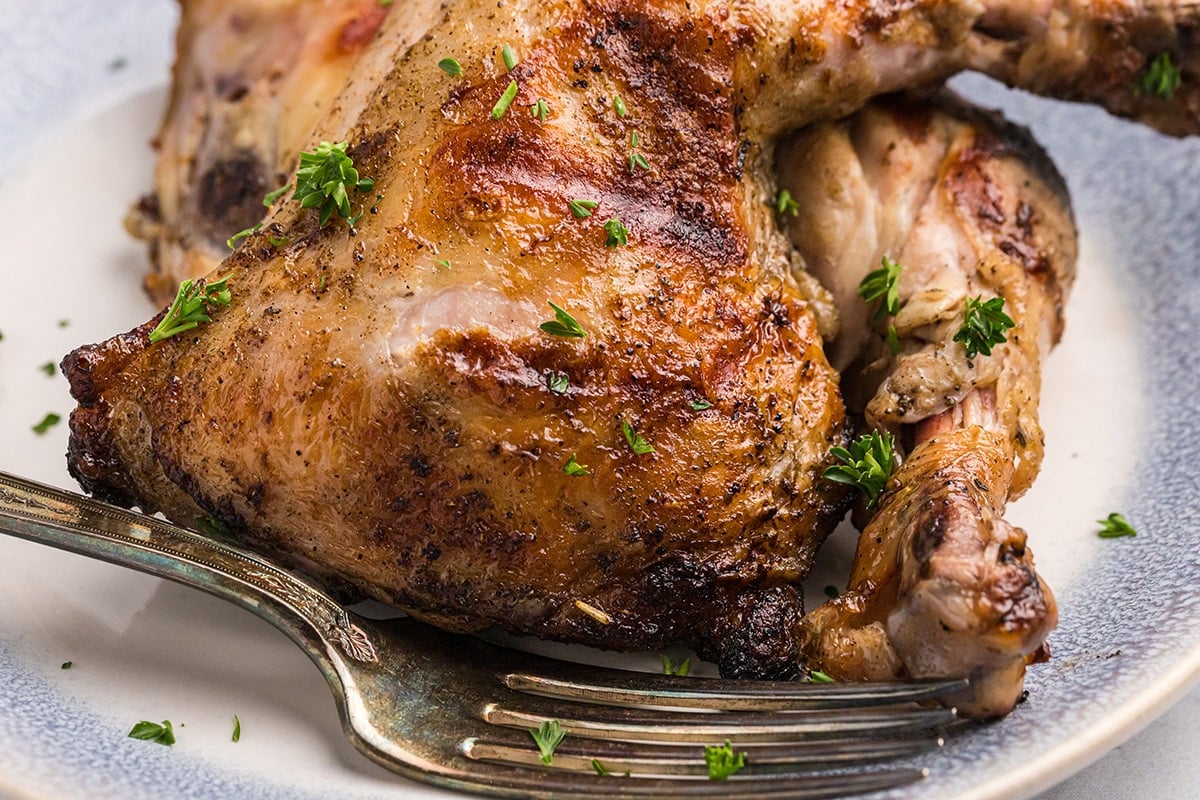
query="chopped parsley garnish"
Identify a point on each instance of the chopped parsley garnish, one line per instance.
(892, 339)
(450, 66)
(271, 198)
(575, 469)
(442, 263)
(582, 209)
(832, 592)
(505, 100)
(237, 729)
(563, 324)
(602, 770)
(882, 287)
(984, 324)
(324, 179)
(1161, 78)
(618, 234)
(277, 241)
(636, 159)
(153, 732)
(548, 736)
(867, 465)
(49, 421)
(723, 762)
(1114, 526)
(509, 56)
(541, 109)
(784, 204)
(816, 676)
(67, 665)
(49, 369)
(671, 668)
(619, 107)
(62, 323)
(636, 443)
(233, 241)
(558, 382)
(699, 405)
(191, 306)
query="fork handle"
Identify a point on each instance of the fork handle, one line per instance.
(79, 524)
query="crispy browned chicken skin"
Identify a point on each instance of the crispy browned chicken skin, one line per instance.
(389, 422)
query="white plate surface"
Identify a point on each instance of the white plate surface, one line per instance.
(83, 91)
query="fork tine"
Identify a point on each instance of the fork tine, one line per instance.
(647, 759)
(622, 688)
(641, 725)
(804, 786)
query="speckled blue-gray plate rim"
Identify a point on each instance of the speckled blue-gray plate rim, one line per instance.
(1128, 643)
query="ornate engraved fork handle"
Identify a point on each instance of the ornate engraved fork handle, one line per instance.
(81, 525)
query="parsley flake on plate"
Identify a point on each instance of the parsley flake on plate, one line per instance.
(49, 421)
(671, 667)
(548, 736)
(154, 732)
(1114, 526)
(723, 762)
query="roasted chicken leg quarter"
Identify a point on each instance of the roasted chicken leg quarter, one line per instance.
(382, 401)
(966, 207)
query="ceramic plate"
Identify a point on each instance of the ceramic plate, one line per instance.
(84, 83)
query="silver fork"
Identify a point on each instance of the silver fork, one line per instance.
(457, 712)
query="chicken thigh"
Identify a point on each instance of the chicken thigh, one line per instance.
(382, 402)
